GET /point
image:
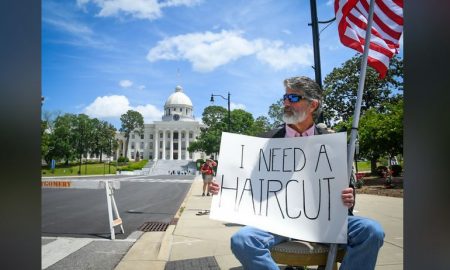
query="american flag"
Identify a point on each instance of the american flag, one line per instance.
(387, 27)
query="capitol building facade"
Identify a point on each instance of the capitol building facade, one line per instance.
(169, 138)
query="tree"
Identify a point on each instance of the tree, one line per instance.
(132, 121)
(216, 120)
(341, 85)
(276, 113)
(107, 140)
(102, 136)
(96, 137)
(49, 117)
(83, 135)
(47, 129)
(380, 134)
(62, 141)
(260, 125)
(215, 117)
(70, 136)
(241, 122)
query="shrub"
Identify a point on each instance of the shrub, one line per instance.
(381, 170)
(122, 159)
(359, 183)
(396, 170)
(133, 166)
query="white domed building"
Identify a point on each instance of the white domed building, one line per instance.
(169, 138)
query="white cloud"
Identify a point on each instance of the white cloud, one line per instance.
(286, 31)
(108, 106)
(149, 112)
(69, 26)
(207, 51)
(284, 57)
(125, 83)
(141, 87)
(57, 16)
(330, 2)
(175, 3)
(140, 9)
(114, 106)
(234, 106)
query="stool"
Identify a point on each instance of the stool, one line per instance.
(301, 253)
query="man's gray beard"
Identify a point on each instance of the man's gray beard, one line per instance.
(294, 117)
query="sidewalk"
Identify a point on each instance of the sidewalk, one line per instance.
(198, 242)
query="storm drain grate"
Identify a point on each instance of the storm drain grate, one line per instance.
(204, 263)
(154, 226)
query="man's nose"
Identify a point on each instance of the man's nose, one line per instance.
(286, 102)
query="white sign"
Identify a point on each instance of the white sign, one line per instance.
(288, 186)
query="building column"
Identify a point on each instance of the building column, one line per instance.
(156, 146)
(171, 144)
(164, 145)
(187, 145)
(179, 144)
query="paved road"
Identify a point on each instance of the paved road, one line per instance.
(75, 224)
(83, 212)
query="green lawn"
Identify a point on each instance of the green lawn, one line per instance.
(91, 168)
(72, 169)
(365, 165)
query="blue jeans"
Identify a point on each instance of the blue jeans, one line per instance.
(365, 237)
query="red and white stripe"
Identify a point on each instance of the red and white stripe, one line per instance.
(387, 28)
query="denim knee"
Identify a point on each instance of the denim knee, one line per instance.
(375, 232)
(238, 242)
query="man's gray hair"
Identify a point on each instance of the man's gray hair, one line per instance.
(309, 88)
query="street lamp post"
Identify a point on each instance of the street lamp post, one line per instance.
(229, 111)
(316, 46)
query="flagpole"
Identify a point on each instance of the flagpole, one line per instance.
(351, 145)
(362, 78)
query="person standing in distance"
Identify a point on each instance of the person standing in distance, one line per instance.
(207, 171)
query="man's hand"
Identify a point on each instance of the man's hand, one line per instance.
(213, 187)
(347, 197)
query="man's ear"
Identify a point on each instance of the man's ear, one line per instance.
(313, 105)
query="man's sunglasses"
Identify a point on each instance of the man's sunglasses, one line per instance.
(293, 97)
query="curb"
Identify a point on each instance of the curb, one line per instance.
(166, 244)
(188, 194)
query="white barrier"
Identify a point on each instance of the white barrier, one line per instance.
(109, 187)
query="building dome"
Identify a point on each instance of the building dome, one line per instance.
(178, 107)
(178, 98)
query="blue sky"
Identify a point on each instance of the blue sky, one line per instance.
(104, 57)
